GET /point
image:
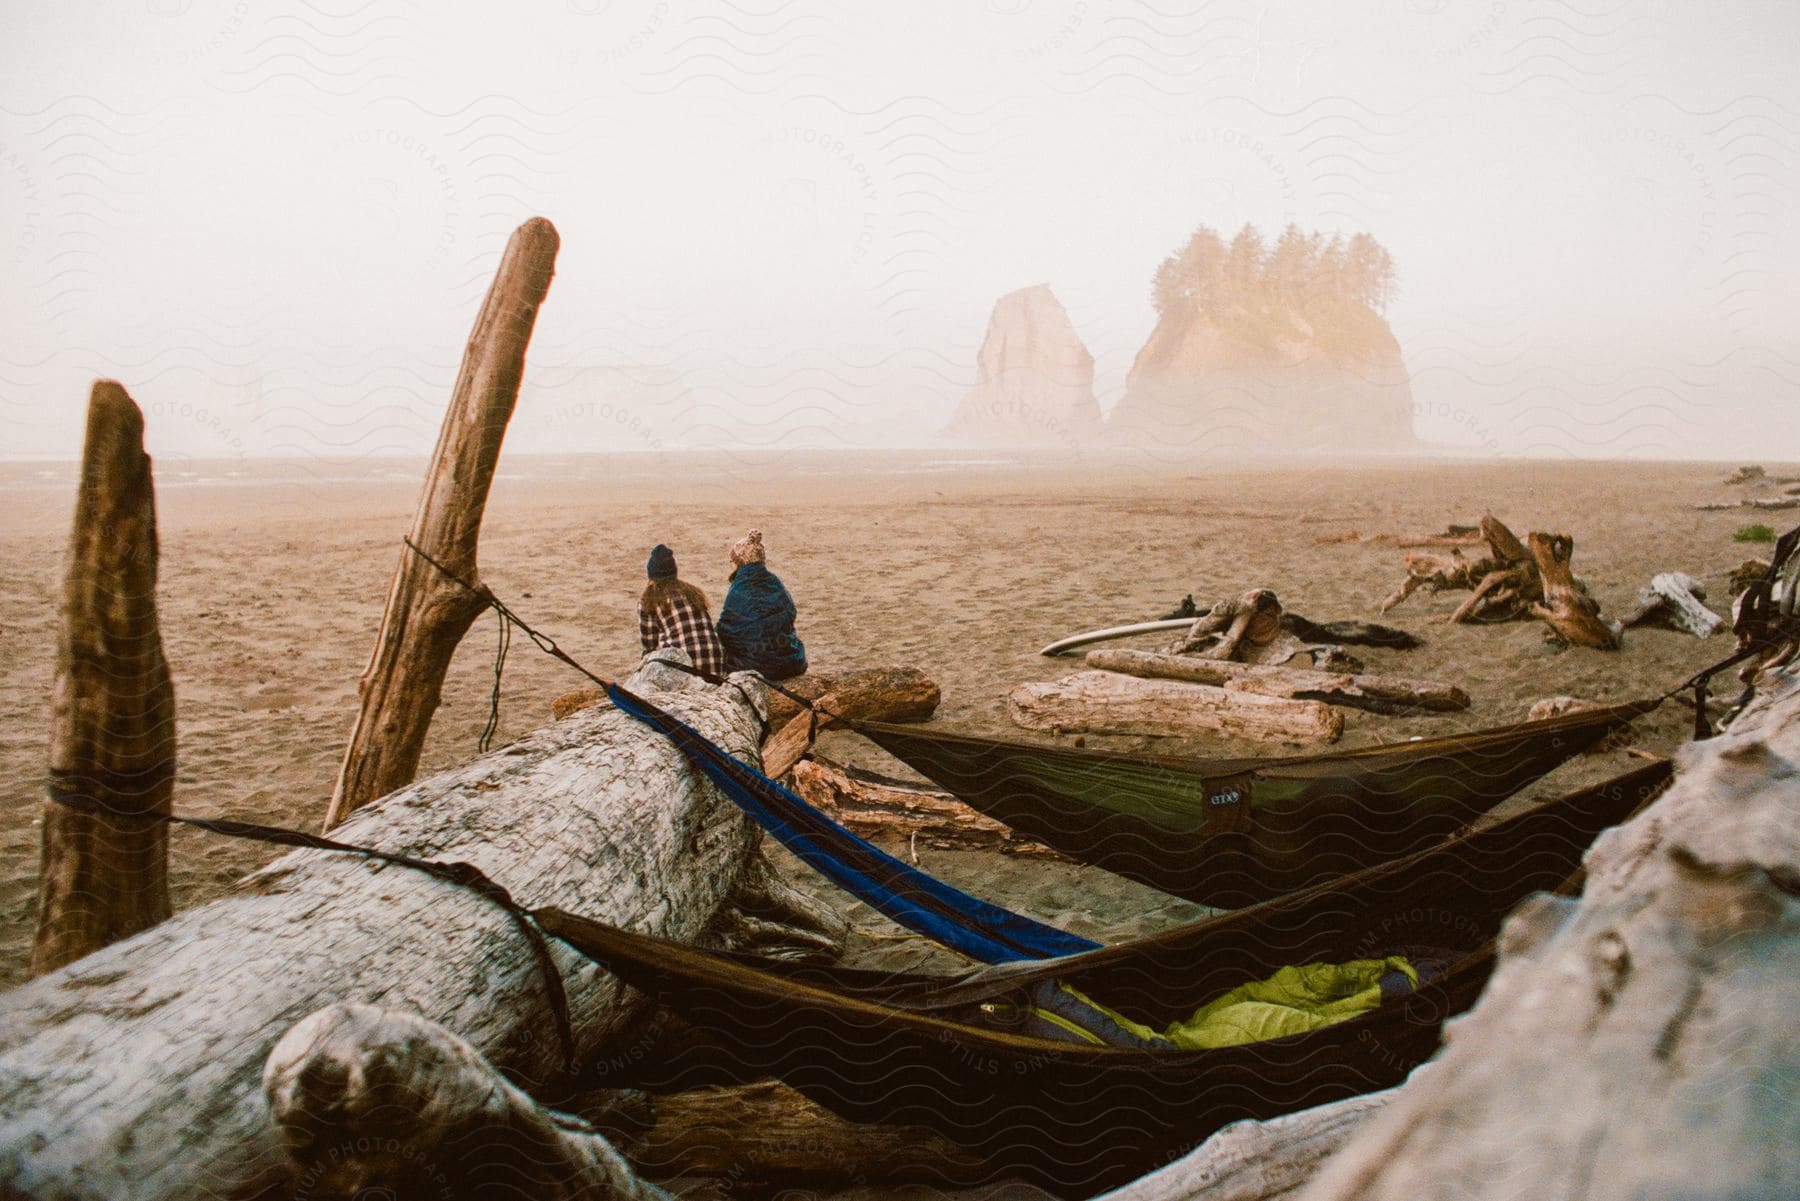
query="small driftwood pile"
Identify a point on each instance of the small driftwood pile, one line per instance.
(1513, 581)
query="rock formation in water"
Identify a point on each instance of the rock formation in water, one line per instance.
(1270, 349)
(1035, 380)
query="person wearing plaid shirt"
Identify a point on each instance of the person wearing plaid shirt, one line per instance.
(672, 612)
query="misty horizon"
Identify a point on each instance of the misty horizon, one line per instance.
(787, 227)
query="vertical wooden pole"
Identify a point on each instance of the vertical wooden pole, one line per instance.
(105, 870)
(427, 614)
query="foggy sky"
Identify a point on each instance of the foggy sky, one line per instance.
(784, 224)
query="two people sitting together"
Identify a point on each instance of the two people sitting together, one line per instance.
(755, 631)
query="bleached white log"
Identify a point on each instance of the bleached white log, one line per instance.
(374, 1102)
(1381, 694)
(1105, 702)
(1257, 1161)
(134, 1071)
(1676, 599)
(1639, 1042)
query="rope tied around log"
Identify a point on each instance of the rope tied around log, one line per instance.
(76, 790)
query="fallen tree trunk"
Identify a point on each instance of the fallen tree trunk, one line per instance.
(380, 1102)
(104, 871)
(1103, 702)
(1638, 1042)
(1257, 1161)
(1378, 694)
(427, 613)
(134, 1071)
(883, 809)
(877, 694)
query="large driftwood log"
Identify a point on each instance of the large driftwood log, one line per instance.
(1677, 600)
(1379, 694)
(1567, 607)
(1257, 1161)
(768, 1134)
(876, 694)
(105, 874)
(882, 809)
(427, 614)
(367, 1101)
(134, 1071)
(1105, 702)
(1639, 1042)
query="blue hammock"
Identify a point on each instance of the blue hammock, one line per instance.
(910, 897)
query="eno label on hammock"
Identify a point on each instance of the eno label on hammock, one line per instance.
(1227, 804)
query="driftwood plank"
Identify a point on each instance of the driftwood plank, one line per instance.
(105, 875)
(134, 1071)
(1105, 702)
(1639, 1042)
(427, 614)
(1380, 694)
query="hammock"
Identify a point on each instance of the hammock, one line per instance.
(926, 1050)
(915, 900)
(1235, 832)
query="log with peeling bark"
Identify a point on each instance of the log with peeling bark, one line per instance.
(1676, 600)
(104, 873)
(878, 808)
(367, 1101)
(1378, 694)
(134, 1071)
(427, 613)
(876, 694)
(767, 1134)
(1258, 1161)
(1104, 702)
(1639, 1041)
(1567, 608)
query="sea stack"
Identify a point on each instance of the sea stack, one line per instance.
(1035, 380)
(1281, 349)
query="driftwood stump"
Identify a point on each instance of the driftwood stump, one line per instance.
(1379, 694)
(134, 1071)
(368, 1101)
(1639, 1042)
(105, 871)
(1104, 702)
(427, 614)
(1567, 608)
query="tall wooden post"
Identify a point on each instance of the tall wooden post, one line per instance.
(427, 614)
(105, 870)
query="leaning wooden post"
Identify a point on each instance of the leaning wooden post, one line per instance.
(105, 869)
(427, 614)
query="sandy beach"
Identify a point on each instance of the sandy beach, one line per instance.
(963, 564)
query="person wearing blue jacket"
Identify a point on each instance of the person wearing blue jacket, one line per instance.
(756, 622)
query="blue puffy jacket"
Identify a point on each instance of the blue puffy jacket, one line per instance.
(756, 625)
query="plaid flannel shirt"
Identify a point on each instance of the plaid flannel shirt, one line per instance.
(678, 623)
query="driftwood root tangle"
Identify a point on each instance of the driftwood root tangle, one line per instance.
(104, 875)
(368, 1101)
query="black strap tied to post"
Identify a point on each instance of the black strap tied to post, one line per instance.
(75, 790)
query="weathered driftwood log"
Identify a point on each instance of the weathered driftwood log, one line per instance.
(1639, 1042)
(770, 917)
(887, 809)
(1503, 581)
(134, 1071)
(427, 614)
(105, 874)
(369, 1101)
(1567, 607)
(1105, 702)
(766, 1133)
(1676, 600)
(1379, 694)
(1220, 633)
(1257, 1161)
(878, 694)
